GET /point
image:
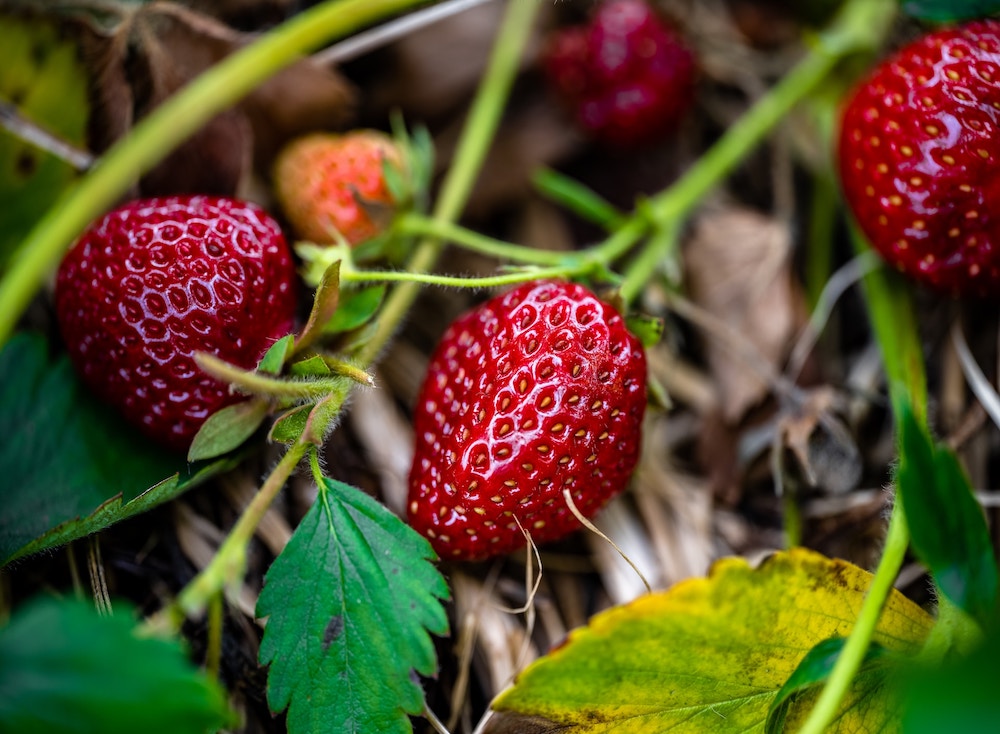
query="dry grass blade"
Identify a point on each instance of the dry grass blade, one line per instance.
(978, 383)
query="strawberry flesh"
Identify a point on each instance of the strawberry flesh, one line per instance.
(918, 158)
(156, 280)
(537, 391)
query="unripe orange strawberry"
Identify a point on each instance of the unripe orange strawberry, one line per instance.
(329, 184)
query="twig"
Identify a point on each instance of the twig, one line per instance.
(31, 132)
(366, 42)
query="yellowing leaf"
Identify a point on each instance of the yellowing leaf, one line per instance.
(711, 654)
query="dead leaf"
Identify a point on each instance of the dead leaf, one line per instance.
(737, 269)
(822, 445)
(143, 54)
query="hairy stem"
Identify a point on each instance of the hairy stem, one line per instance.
(229, 562)
(447, 232)
(452, 281)
(890, 308)
(482, 122)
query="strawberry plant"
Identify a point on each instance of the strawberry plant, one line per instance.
(462, 467)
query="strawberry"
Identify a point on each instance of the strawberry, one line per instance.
(536, 391)
(153, 282)
(329, 184)
(918, 156)
(627, 75)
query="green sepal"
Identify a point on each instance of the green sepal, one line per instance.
(274, 358)
(356, 309)
(314, 366)
(227, 429)
(325, 304)
(648, 329)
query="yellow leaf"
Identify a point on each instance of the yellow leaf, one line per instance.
(711, 654)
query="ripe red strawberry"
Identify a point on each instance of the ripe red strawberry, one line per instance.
(627, 75)
(538, 390)
(334, 183)
(153, 282)
(919, 156)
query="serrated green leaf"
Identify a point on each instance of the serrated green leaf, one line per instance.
(813, 670)
(42, 77)
(227, 429)
(70, 466)
(356, 309)
(66, 669)
(274, 358)
(945, 11)
(349, 604)
(947, 526)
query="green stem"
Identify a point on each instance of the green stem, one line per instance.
(229, 562)
(255, 383)
(890, 308)
(830, 699)
(860, 24)
(451, 281)
(417, 224)
(477, 135)
(168, 126)
(659, 247)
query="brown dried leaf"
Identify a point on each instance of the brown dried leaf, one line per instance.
(149, 52)
(822, 445)
(737, 267)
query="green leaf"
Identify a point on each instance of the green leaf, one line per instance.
(959, 696)
(227, 429)
(66, 669)
(274, 358)
(41, 75)
(349, 603)
(813, 670)
(576, 197)
(712, 655)
(70, 466)
(356, 309)
(947, 525)
(945, 11)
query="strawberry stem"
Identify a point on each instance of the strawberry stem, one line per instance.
(228, 564)
(453, 281)
(417, 224)
(477, 135)
(167, 127)
(890, 307)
